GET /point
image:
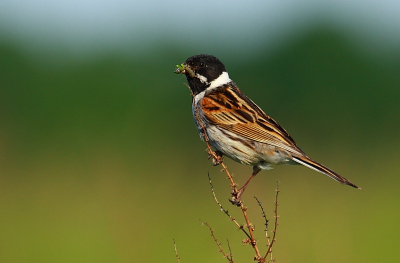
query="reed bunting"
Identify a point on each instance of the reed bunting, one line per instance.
(235, 126)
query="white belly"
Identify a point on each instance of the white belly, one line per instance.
(245, 151)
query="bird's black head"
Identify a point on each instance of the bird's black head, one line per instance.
(203, 71)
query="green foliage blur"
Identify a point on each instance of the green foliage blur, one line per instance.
(100, 160)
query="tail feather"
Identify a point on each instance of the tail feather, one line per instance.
(306, 161)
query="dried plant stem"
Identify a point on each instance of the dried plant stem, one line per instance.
(252, 240)
(176, 253)
(263, 213)
(269, 244)
(228, 257)
(230, 250)
(226, 211)
(269, 251)
(266, 225)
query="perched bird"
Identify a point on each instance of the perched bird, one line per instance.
(235, 126)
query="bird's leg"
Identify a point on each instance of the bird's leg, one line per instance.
(237, 194)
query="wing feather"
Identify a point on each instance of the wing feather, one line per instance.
(231, 110)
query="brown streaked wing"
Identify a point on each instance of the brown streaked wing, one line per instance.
(231, 110)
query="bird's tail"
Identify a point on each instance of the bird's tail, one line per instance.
(306, 161)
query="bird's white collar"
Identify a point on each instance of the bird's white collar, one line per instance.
(221, 80)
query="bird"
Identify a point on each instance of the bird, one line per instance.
(236, 127)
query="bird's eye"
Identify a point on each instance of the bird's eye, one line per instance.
(202, 65)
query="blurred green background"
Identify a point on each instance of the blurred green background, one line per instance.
(100, 160)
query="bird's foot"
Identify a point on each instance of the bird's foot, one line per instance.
(236, 195)
(216, 158)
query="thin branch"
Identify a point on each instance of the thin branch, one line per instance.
(226, 211)
(266, 225)
(228, 257)
(230, 250)
(262, 212)
(176, 253)
(276, 223)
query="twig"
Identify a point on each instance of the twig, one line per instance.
(226, 211)
(263, 213)
(176, 253)
(230, 250)
(228, 257)
(276, 223)
(266, 225)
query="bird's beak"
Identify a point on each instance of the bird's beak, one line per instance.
(184, 69)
